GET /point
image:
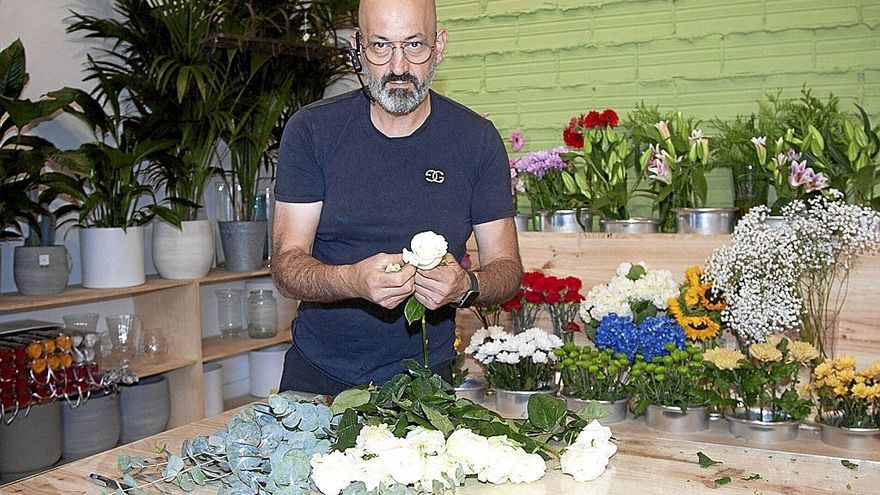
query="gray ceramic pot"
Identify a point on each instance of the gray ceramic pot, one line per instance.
(91, 427)
(145, 408)
(243, 244)
(40, 270)
(31, 443)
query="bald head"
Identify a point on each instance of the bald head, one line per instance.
(398, 19)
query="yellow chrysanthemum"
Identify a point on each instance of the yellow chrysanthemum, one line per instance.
(700, 328)
(832, 381)
(846, 375)
(765, 352)
(845, 362)
(773, 339)
(823, 369)
(862, 391)
(860, 378)
(804, 392)
(841, 390)
(725, 359)
(802, 352)
(874, 392)
(692, 276)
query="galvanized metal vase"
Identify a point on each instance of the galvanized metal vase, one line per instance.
(705, 221)
(522, 221)
(616, 409)
(630, 225)
(756, 426)
(672, 419)
(859, 439)
(472, 388)
(775, 221)
(565, 221)
(515, 403)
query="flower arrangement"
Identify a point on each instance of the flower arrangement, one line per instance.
(672, 379)
(764, 383)
(591, 374)
(675, 159)
(596, 173)
(522, 362)
(846, 397)
(525, 304)
(697, 308)
(788, 168)
(540, 173)
(562, 299)
(634, 291)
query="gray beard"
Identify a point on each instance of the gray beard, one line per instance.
(400, 101)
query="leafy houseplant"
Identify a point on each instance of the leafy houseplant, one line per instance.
(597, 164)
(764, 385)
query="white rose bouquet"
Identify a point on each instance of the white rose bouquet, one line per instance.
(524, 361)
(633, 291)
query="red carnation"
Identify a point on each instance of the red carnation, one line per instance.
(573, 327)
(610, 117)
(534, 297)
(552, 297)
(593, 119)
(572, 296)
(572, 136)
(512, 305)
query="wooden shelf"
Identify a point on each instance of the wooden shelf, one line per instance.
(214, 348)
(144, 370)
(219, 275)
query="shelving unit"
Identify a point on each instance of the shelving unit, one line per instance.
(174, 306)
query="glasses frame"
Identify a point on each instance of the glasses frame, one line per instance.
(394, 46)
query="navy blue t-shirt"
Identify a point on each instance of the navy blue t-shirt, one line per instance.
(450, 174)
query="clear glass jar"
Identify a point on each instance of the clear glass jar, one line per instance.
(262, 314)
(230, 311)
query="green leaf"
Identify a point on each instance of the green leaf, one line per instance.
(723, 481)
(705, 461)
(350, 398)
(348, 430)
(438, 419)
(849, 464)
(13, 75)
(414, 310)
(593, 410)
(546, 411)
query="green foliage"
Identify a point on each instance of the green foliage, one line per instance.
(705, 461)
(673, 380)
(597, 174)
(591, 374)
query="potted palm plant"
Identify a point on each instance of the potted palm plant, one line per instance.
(27, 186)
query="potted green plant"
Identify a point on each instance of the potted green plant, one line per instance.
(592, 375)
(541, 175)
(27, 187)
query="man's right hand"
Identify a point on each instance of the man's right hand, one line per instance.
(375, 283)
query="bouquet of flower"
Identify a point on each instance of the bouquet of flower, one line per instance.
(523, 361)
(764, 384)
(596, 173)
(562, 299)
(788, 168)
(675, 160)
(698, 306)
(847, 397)
(525, 304)
(634, 291)
(540, 173)
(673, 379)
(591, 374)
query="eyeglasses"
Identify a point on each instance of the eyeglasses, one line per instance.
(381, 52)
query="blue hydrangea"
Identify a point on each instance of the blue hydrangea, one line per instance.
(619, 334)
(655, 332)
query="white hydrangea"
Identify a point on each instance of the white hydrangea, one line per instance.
(655, 286)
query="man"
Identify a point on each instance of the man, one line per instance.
(358, 176)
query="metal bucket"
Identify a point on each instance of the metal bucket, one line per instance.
(705, 221)
(616, 409)
(863, 439)
(775, 221)
(630, 225)
(472, 388)
(674, 420)
(759, 431)
(522, 222)
(565, 221)
(515, 403)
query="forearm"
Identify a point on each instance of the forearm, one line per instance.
(300, 276)
(499, 280)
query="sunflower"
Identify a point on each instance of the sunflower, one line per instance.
(674, 309)
(700, 328)
(692, 276)
(692, 296)
(711, 298)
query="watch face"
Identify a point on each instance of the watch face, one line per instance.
(468, 299)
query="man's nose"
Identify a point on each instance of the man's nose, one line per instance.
(399, 63)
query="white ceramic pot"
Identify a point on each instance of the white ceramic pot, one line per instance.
(112, 258)
(265, 367)
(212, 379)
(183, 253)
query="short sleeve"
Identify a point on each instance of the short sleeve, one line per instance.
(299, 177)
(491, 198)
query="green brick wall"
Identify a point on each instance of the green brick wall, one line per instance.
(535, 63)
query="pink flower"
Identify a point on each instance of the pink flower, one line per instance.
(514, 180)
(517, 140)
(663, 128)
(818, 182)
(793, 155)
(799, 173)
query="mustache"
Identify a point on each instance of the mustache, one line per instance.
(405, 77)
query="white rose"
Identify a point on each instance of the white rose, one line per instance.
(334, 471)
(428, 442)
(404, 463)
(530, 468)
(439, 468)
(372, 472)
(584, 463)
(428, 249)
(373, 439)
(593, 432)
(505, 458)
(468, 449)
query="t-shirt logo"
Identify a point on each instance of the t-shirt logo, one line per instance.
(435, 176)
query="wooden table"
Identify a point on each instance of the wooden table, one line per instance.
(646, 462)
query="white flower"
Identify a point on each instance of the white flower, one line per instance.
(623, 269)
(372, 472)
(373, 439)
(468, 449)
(504, 455)
(530, 468)
(439, 468)
(334, 471)
(584, 463)
(428, 249)
(404, 463)
(540, 357)
(429, 442)
(592, 433)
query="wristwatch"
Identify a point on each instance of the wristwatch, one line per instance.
(470, 296)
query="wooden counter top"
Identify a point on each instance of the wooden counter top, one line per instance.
(645, 463)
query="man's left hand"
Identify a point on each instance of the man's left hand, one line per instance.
(441, 285)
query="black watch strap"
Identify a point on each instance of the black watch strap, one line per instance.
(470, 296)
